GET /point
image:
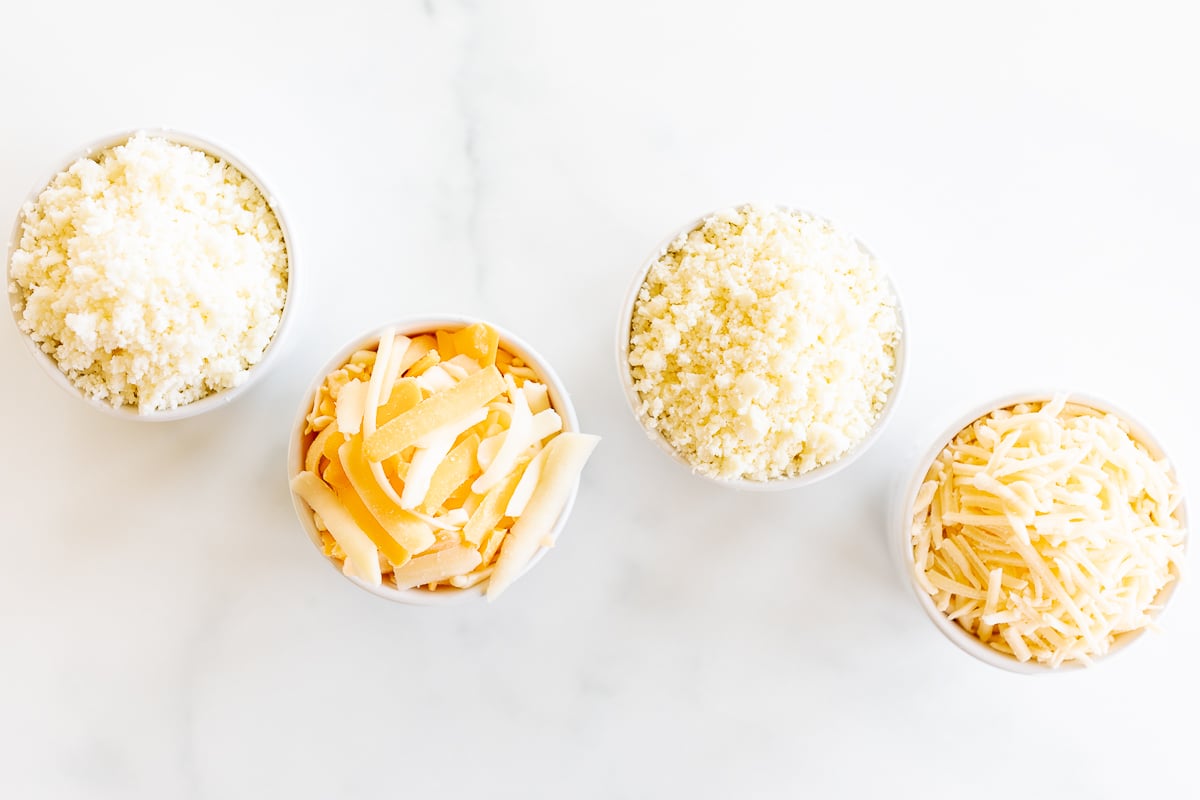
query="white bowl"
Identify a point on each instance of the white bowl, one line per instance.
(209, 402)
(901, 516)
(625, 322)
(559, 400)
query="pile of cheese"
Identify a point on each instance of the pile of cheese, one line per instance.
(1047, 531)
(437, 461)
(763, 344)
(154, 274)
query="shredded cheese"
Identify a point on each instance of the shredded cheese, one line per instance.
(1047, 531)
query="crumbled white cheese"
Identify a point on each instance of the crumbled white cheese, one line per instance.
(153, 273)
(1047, 531)
(763, 344)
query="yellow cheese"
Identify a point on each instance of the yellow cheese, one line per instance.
(405, 394)
(480, 342)
(392, 550)
(360, 551)
(491, 510)
(454, 470)
(312, 458)
(433, 412)
(423, 363)
(491, 544)
(411, 533)
(445, 345)
(416, 349)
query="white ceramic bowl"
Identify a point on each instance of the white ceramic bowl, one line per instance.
(209, 402)
(559, 400)
(901, 514)
(632, 399)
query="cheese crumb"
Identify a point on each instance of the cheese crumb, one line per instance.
(154, 274)
(763, 344)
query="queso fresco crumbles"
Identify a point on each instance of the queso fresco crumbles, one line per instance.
(153, 273)
(763, 344)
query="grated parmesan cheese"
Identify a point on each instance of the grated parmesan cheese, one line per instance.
(1047, 531)
(154, 274)
(763, 344)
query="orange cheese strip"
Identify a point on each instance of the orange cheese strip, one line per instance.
(445, 345)
(329, 450)
(480, 342)
(434, 412)
(439, 566)
(492, 545)
(333, 472)
(491, 510)
(312, 458)
(359, 549)
(391, 549)
(405, 395)
(423, 363)
(454, 470)
(411, 533)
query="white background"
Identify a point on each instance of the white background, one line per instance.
(1030, 174)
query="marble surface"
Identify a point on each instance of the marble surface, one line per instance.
(1027, 171)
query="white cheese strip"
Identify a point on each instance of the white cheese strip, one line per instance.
(432, 449)
(359, 549)
(529, 480)
(436, 567)
(567, 453)
(453, 370)
(543, 424)
(465, 363)
(455, 428)
(516, 439)
(537, 395)
(488, 449)
(436, 379)
(392, 371)
(467, 581)
(383, 356)
(444, 522)
(350, 405)
(386, 364)
(412, 354)
(420, 470)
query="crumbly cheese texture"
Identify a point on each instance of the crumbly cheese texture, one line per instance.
(763, 344)
(153, 273)
(1047, 531)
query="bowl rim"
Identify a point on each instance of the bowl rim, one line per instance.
(632, 399)
(560, 400)
(209, 402)
(901, 511)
